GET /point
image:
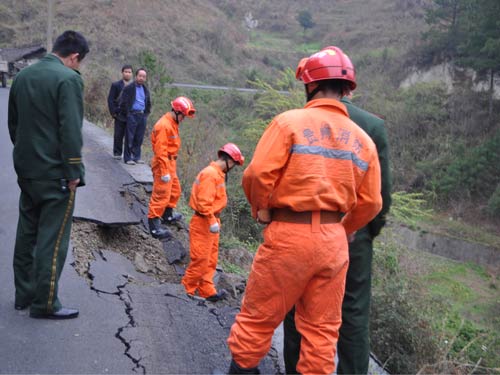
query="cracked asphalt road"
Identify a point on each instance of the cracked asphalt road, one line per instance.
(129, 323)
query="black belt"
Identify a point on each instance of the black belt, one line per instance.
(305, 217)
(172, 157)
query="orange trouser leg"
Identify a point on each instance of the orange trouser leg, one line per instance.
(206, 288)
(175, 192)
(203, 250)
(294, 267)
(160, 195)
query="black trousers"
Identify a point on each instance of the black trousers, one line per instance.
(134, 135)
(118, 137)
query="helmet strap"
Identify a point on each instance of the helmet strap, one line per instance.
(177, 116)
(227, 171)
(310, 95)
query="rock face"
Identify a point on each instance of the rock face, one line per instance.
(450, 75)
(449, 247)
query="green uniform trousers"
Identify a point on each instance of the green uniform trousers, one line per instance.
(43, 231)
(353, 347)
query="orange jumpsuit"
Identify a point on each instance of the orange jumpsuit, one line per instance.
(311, 159)
(208, 199)
(166, 143)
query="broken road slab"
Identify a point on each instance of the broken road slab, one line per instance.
(174, 251)
(100, 201)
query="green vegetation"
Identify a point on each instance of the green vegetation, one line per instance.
(432, 315)
(232, 268)
(467, 31)
(305, 19)
(473, 174)
(409, 208)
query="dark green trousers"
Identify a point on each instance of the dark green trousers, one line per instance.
(353, 347)
(43, 230)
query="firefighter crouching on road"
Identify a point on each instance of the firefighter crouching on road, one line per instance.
(208, 199)
(312, 169)
(166, 143)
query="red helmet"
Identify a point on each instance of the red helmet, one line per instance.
(184, 106)
(329, 63)
(233, 151)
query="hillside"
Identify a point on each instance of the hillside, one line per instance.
(207, 41)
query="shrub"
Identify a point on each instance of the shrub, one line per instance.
(474, 173)
(400, 329)
(493, 208)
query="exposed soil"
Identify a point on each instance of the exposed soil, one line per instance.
(88, 238)
(146, 253)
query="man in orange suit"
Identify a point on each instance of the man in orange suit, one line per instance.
(314, 177)
(166, 143)
(208, 199)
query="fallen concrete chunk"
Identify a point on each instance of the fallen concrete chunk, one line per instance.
(140, 263)
(174, 251)
(181, 271)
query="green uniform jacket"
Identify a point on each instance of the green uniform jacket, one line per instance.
(45, 121)
(374, 127)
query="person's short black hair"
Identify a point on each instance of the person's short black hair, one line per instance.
(339, 86)
(127, 66)
(138, 70)
(71, 42)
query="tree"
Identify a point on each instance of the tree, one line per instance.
(445, 19)
(304, 17)
(467, 32)
(480, 47)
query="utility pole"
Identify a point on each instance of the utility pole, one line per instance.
(50, 14)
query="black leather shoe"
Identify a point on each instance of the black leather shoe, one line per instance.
(63, 313)
(19, 306)
(234, 368)
(221, 294)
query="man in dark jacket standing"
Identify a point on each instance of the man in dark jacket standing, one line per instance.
(135, 106)
(353, 347)
(45, 125)
(120, 122)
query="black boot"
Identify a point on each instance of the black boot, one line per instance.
(156, 230)
(170, 216)
(221, 294)
(235, 369)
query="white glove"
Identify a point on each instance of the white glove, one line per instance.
(215, 228)
(165, 178)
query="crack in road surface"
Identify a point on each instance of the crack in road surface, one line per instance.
(131, 323)
(124, 297)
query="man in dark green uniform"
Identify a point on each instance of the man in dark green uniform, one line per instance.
(45, 125)
(353, 347)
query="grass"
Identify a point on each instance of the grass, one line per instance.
(269, 41)
(411, 210)
(457, 302)
(228, 241)
(469, 289)
(232, 268)
(457, 228)
(278, 42)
